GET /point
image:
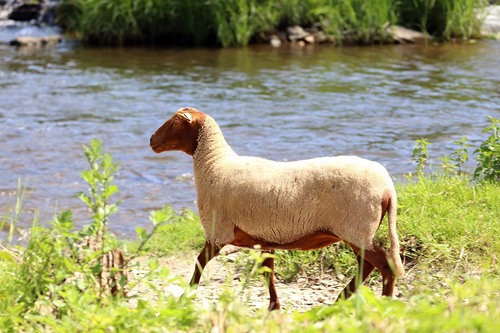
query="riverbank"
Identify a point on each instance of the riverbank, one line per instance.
(236, 23)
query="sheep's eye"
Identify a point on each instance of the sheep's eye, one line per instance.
(176, 121)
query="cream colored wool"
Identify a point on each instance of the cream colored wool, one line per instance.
(280, 202)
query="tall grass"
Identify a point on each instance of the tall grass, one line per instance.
(444, 19)
(235, 22)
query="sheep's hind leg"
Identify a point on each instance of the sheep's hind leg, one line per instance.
(364, 269)
(274, 303)
(207, 254)
(378, 258)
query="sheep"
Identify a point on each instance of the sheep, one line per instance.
(302, 205)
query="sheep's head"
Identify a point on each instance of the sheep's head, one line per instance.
(179, 132)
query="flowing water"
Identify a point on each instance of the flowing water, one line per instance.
(282, 104)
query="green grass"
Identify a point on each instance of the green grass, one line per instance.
(181, 231)
(237, 22)
(445, 219)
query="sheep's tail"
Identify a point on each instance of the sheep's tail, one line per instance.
(394, 255)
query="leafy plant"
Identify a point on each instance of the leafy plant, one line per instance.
(461, 155)
(59, 261)
(447, 166)
(488, 160)
(100, 180)
(453, 164)
(420, 155)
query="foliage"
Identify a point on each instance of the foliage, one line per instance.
(60, 269)
(357, 21)
(236, 22)
(100, 180)
(444, 219)
(453, 164)
(444, 19)
(488, 161)
(58, 261)
(461, 155)
(420, 155)
(177, 231)
(467, 308)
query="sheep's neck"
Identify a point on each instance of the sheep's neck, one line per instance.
(212, 145)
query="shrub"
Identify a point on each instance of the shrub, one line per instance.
(488, 160)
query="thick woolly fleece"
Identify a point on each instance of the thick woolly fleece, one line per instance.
(280, 202)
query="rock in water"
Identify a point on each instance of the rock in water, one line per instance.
(403, 35)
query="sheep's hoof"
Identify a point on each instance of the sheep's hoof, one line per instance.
(274, 306)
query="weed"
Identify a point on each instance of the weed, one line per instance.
(461, 155)
(420, 155)
(447, 166)
(488, 160)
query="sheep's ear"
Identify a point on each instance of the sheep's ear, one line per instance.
(187, 116)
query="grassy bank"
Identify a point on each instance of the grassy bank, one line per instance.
(68, 279)
(239, 22)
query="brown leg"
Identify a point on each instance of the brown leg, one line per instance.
(274, 303)
(364, 270)
(208, 252)
(378, 258)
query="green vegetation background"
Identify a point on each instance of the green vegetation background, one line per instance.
(239, 22)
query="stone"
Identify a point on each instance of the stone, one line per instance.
(296, 33)
(491, 24)
(275, 41)
(36, 41)
(403, 35)
(321, 37)
(310, 39)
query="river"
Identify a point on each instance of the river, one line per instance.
(280, 103)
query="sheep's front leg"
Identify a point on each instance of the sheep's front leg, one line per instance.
(208, 252)
(274, 303)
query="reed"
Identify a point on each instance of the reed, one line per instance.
(443, 19)
(236, 22)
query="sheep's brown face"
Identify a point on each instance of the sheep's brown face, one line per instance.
(179, 132)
